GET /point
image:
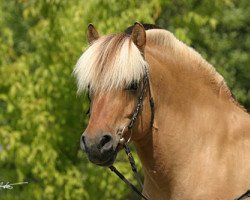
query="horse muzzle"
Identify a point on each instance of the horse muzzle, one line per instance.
(101, 150)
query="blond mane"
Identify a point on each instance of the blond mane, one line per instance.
(111, 62)
(114, 62)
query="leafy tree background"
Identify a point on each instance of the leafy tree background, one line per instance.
(41, 118)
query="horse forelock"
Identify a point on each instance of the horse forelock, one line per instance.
(111, 62)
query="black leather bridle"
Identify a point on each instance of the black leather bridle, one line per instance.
(244, 196)
(138, 108)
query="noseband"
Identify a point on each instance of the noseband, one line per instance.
(122, 141)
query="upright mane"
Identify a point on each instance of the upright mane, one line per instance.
(111, 62)
(178, 50)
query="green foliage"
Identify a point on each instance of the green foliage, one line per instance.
(41, 118)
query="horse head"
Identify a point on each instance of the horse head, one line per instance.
(115, 72)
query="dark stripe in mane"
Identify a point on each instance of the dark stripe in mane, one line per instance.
(146, 27)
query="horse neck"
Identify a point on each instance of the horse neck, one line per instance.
(186, 104)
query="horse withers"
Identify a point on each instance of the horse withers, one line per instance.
(196, 145)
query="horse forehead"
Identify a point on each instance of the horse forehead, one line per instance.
(106, 98)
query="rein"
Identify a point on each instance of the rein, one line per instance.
(244, 196)
(137, 110)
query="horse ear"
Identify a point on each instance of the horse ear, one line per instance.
(138, 36)
(92, 34)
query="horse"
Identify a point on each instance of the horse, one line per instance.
(194, 143)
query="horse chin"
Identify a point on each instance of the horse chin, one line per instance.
(107, 162)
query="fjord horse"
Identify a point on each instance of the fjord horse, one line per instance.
(197, 144)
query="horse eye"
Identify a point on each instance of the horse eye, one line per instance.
(133, 86)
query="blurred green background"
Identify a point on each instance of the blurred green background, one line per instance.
(41, 117)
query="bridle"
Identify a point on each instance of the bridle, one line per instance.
(120, 133)
(138, 107)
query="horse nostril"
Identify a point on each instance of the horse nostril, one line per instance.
(82, 143)
(105, 142)
(83, 138)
